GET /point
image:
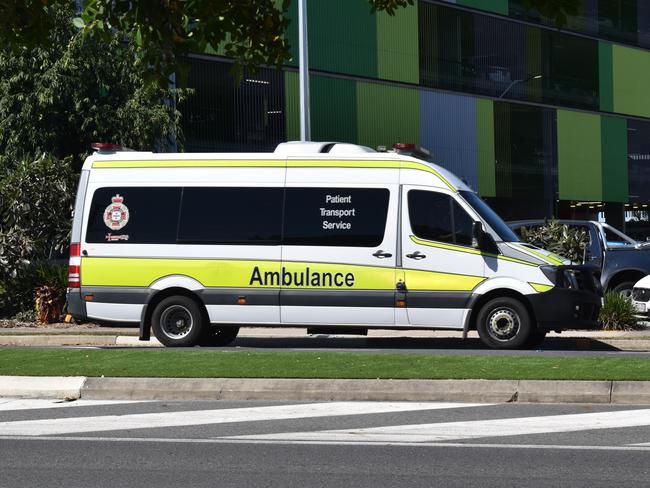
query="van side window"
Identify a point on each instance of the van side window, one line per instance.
(437, 217)
(347, 217)
(134, 215)
(227, 215)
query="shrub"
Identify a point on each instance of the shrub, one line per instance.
(618, 313)
(561, 239)
(36, 198)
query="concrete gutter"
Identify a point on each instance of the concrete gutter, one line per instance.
(481, 391)
(69, 339)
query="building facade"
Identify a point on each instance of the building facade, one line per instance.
(540, 122)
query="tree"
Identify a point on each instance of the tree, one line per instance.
(59, 96)
(251, 31)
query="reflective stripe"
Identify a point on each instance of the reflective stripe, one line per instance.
(469, 250)
(212, 273)
(541, 288)
(192, 163)
(273, 163)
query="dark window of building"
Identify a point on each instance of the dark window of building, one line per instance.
(526, 164)
(617, 20)
(570, 71)
(223, 115)
(231, 216)
(638, 142)
(437, 217)
(477, 53)
(354, 217)
(134, 215)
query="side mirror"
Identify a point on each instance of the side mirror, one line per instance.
(477, 234)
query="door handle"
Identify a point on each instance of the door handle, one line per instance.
(416, 255)
(381, 254)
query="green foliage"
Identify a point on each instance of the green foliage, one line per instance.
(561, 239)
(73, 90)
(618, 313)
(36, 201)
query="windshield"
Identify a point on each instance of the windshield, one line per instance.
(615, 238)
(489, 216)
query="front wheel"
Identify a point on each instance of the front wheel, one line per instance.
(624, 289)
(177, 322)
(504, 323)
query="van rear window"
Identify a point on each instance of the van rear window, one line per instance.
(134, 215)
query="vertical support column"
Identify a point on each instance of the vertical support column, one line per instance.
(305, 125)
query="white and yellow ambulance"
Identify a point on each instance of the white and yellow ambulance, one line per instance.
(315, 235)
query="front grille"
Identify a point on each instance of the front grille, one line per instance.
(581, 278)
(641, 294)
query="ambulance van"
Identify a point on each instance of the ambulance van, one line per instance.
(324, 236)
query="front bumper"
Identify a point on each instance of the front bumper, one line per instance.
(565, 308)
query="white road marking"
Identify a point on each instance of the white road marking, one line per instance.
(444, 431)
(215, 416)
(8, 404)
(226, 440)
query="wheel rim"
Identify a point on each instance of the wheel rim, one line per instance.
(176, 322)
(626, 292)
(503, 324)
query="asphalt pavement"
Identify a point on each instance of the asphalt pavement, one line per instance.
(330, 444)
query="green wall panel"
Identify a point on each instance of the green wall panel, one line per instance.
(292, 105)
(579, 156)
(333, 109)
(606, 78)
(631, 72)
(387, 114)
(485, 145)
(498, 6)
(614, 150)
(397, 45)
(342, 37)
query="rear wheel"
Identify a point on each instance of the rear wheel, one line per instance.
(219, 336)
(177, 321)
(504, 323)
(624, 288)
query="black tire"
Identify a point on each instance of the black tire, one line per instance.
(504, 323)
(624, 288)
(178, 321)
(219, 336)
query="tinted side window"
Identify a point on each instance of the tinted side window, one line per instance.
(437, 217)
(134, 215)
(231, 216)
(354, 217)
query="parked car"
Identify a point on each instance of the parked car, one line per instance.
(641, 297)
(622, 260)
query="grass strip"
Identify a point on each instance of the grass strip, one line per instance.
(242, 364)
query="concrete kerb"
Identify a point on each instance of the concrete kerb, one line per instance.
(284, 389)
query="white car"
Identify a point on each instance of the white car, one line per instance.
(641, 297)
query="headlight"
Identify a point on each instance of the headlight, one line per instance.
(551, 272)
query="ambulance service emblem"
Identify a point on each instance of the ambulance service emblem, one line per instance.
(116, 214)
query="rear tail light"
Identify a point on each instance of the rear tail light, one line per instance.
(74, 276)
(74, 268)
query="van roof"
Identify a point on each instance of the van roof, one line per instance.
(285, 151)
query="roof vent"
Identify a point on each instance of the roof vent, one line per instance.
(296, 148)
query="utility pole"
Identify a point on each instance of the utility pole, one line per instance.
(305, 125)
